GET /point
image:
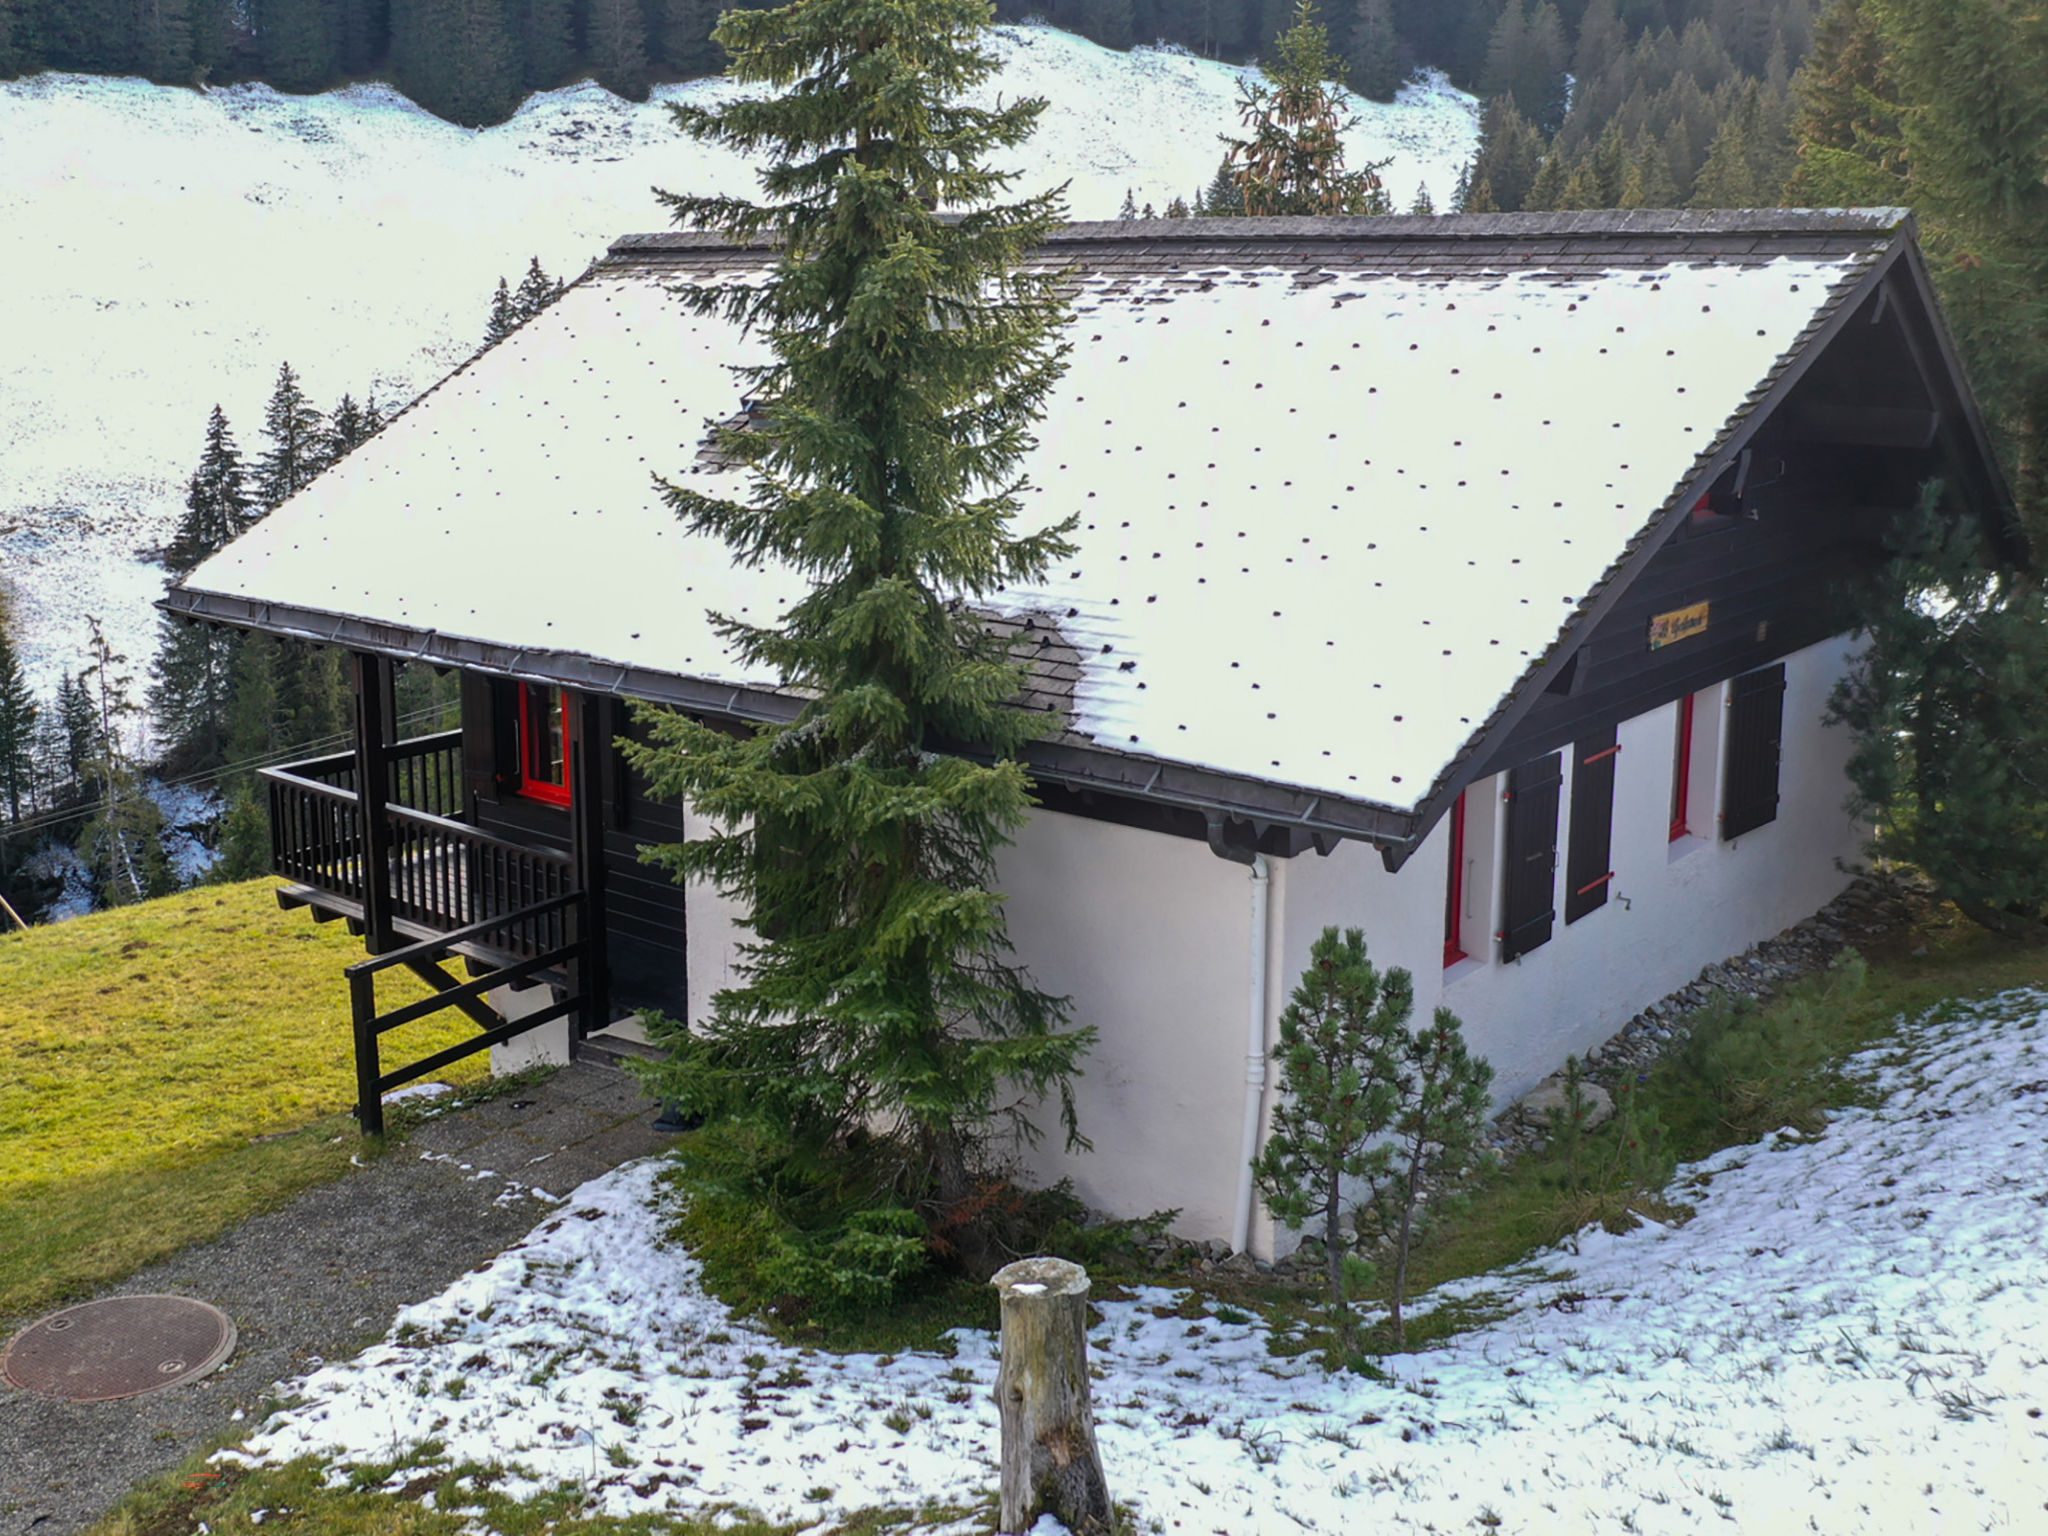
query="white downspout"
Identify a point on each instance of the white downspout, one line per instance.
(1254, 1057)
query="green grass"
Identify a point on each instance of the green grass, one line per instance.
(173, 1069)
(227, 1500)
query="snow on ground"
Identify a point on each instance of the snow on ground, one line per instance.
(1847, 1338)
(166, 250)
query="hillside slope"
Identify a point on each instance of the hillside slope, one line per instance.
(168, 250)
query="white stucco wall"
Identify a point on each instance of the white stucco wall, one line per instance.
(1673, 907)
(1150, 936)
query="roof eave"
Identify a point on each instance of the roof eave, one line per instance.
(1068, 763)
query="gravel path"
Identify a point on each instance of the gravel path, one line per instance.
(321, 1279)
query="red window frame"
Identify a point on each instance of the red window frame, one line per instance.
(1681, 771)
(1454, 894)
(535, 782)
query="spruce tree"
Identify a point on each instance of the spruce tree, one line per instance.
(348, 427)
(295, 433)
(194, 666)
(1293, 163)
(301, 43)
(536, 292)
(1850, 129)
(1221, 199)
(615, 47)
(503, 319)
(218, 508)
(1976, 75)
(911, 354)
(686, 43)
(1951, 753)
(545, 30)
(163, 40)
(17, 725)
(1374, 51)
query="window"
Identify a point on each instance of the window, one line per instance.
(1756, 722)
(1531, 875)
(1454, 893)
(544, 743)
(1681, 771)
(1586, 875)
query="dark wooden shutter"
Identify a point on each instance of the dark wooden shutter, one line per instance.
(1586, 875)
(1531, 855)
(1756, 724)
(479, 737)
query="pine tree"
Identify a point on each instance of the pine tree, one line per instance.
(1374, 51)
(1648, 182)
(878, 993)
(1341, 1038)
(1437, 1132)
(504, 316)
(536, 292)
(295, 432)
(1129, 210)
(1294, 160)
(1424, 205)
(17, 725)
(217, 503)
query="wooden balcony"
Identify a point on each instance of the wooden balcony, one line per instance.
(441, 875)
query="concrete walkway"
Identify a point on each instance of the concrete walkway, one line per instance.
(323, 1278)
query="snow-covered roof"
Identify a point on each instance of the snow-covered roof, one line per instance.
(1342, 484)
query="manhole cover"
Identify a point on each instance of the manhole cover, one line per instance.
(120, 1347)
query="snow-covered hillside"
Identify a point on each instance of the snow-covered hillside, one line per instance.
(165, 250)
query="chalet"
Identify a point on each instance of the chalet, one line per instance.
(1476, 581)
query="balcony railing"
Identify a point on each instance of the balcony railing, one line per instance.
(441, 874)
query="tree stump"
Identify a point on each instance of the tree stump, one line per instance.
(1050, 1465)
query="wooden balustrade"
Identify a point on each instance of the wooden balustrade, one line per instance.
(442, 874)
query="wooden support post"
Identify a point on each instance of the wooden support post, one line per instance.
(1049, 1462)
(362, 998)
(587, 751)
(371, 676)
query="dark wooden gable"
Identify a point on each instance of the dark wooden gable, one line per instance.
(1799, 506)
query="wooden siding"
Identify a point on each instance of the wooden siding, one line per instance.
(645, 906)
(1780, 567)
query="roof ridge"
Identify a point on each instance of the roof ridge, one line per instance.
(1392, 229)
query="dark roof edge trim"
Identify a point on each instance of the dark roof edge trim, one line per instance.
(1707, 468)
(1074, 766)
(1647, 223)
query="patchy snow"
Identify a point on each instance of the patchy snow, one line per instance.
(191, 821)
(1848, 1338)
(1457, 460)
(167, 249)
